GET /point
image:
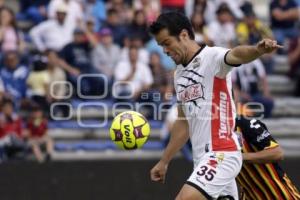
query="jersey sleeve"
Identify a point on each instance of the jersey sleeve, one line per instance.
(221, 67)
(256, 133)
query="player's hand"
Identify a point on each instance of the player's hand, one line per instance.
(267, 46)
(158, 172)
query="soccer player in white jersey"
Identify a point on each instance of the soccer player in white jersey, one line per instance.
(206, 110)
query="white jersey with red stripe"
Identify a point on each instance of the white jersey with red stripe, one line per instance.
(203, 88)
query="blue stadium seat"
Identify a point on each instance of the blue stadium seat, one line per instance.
(76, 102)
(83, 145)
(73, 124)
(97, 145)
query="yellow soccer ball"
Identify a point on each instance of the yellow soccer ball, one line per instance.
(129, 130)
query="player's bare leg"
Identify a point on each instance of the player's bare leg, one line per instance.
(188, 192)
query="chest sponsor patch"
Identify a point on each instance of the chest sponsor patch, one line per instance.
(191, 92)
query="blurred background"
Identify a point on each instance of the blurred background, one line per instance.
(63, 64)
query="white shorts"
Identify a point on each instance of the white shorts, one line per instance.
(215, 174)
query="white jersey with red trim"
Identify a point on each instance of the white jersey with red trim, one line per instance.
(203, 88)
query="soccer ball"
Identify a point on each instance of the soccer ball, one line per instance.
(129, 130)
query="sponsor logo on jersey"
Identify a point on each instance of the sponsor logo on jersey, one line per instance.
(223, 130)
(262, 136)
(191, 92)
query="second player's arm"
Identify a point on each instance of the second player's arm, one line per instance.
(274, 154)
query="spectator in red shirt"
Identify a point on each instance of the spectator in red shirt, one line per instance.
(12, 134)
(37, 126)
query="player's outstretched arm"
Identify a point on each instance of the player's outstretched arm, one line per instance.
(246, 53)
(179, 136)
(265, 156)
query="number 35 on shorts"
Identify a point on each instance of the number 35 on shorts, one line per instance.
(207, 172)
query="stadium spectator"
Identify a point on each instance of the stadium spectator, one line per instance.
(58, 84)
(14, 77)
(284, 15)
(118, 29)
(96, 10)
(162, 81)
(2, 90)
(12, 134)
(123, 10)
(33, 10)
(106, 54)
(37, 127)
(77, 55)
(138, 26)
(251, 30)
(38, 83)
(11, 38)
(250, 85)
(74, 12)
(57, 76)
(88, 27)
(208, 8)
(137, 41)
(151, 8)
(225, 25)
(200, 28)
(234, 7)
(166, 61)
(53, 33)
(133, 77)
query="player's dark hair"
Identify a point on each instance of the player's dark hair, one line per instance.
(174, 22)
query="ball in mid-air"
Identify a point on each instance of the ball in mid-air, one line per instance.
(129, 130)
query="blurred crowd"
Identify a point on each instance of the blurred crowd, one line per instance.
(47, 45)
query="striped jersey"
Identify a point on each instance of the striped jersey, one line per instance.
(262, 181)
(203, 88)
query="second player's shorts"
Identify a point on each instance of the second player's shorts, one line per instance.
(215, 174)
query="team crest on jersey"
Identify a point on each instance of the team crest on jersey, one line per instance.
(196, 62)
(191, 92)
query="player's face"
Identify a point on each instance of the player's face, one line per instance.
(172, 46)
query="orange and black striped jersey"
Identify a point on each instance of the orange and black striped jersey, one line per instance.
(262, 181)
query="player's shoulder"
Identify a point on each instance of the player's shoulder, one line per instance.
(248, 124)
(212, 49)
(215, 52)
